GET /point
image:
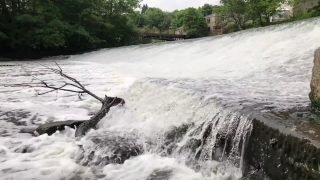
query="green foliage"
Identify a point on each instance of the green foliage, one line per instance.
(3, 36)
(222, 14)
(157, 41)
(138, 19)
(206, 9)
(263, 10)
(177, 21)
(194, 23)
(315, 11)
(220, 10)
(144, 8)
(68, 25)
(192, 20)
(237, 10)
(293, 2)
(249, 25)
(155, 17)
(301, 14)
(232, 28)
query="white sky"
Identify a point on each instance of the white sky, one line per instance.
(171, 5)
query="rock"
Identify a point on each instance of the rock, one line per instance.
(314, 95)
(51, 128)
(109, 148)
(160, 174)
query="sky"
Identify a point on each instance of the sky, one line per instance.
(171, 5)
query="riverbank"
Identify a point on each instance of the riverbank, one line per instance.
(36, 55)
(9, 55)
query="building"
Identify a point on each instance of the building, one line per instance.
(180, 31)
(285, 11)
(213, 24)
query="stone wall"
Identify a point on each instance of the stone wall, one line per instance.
(281, 155)
(314, 94)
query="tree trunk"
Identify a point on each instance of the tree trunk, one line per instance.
(267, 19)
(4, 8)
(92, 122)
(260, 19)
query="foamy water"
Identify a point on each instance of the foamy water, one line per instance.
(270, 65)
(199, 82)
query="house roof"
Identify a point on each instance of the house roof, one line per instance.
(181, 27)
(211, 15)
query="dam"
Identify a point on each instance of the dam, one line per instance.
(226, 107)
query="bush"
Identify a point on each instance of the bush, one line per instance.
(249, 26)
(232, 28)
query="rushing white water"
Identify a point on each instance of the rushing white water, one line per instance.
(202, 82)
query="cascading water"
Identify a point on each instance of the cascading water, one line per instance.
(183, 117)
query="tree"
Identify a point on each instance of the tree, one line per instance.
(218, 9)
(314, 11)
(206, 9)
(236, 9)
(144, 8)
(155, 17)
(264, 9)
(55, 27)
(194, 23)
(222, 15)
(138, 19)
(177, 21)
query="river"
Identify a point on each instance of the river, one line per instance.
(168, 86)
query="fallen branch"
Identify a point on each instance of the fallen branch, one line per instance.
(82, 127)
(93, 121)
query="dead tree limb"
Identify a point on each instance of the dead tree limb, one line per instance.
(79, 85)
(108, 102)
(83, 127)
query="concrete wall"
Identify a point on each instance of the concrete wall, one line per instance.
(281, 156)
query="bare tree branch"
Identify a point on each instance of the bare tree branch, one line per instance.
(107, 102)
(60, 72)
(45, 86)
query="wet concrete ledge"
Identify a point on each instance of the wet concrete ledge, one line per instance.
(281, 153)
